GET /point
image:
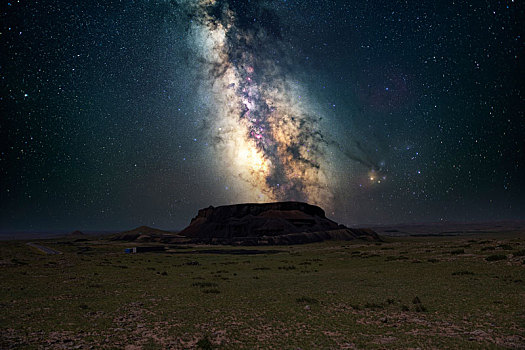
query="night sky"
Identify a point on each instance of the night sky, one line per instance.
(116, 114)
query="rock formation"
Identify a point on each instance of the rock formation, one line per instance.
(269, 223)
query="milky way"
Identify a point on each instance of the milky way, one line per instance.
(263, 135)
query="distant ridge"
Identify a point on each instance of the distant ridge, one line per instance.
(75, 234)
(450, 228)
(145, 234)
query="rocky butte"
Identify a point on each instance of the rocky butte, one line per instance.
(269, 223)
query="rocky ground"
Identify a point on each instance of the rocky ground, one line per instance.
(431, 292)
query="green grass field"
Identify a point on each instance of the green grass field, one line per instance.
(431, 292)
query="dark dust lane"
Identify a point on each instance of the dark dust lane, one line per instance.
(43, 249)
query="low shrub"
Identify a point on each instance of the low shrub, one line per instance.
(519, 253)
(211, 291)
(205, 344)
(420, 308)
(496, 257)
(307, 300)
(374, 306)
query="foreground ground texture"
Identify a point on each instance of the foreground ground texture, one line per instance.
(431, 292)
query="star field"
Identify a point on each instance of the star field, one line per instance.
(106, 110)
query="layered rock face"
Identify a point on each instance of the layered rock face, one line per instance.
(268, 223)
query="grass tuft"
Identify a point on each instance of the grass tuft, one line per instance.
(204, 284)
(461, 273)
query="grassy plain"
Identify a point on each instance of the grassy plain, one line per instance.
(426, 292)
